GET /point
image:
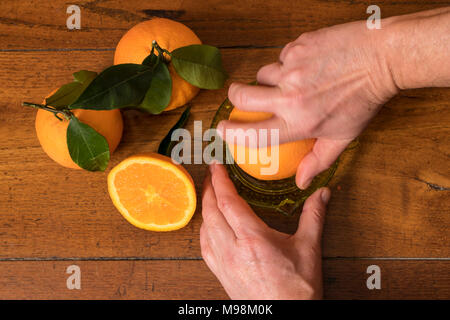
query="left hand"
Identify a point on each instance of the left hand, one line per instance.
(251, 260)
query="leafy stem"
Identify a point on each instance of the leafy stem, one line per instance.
(161, 51)
(66, 113)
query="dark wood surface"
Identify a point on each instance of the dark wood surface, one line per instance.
(390, 202)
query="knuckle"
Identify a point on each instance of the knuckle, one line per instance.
(290, 54)
(305, 36)
(225, 203)
(294, 76)
(317, 214)
(294, 52)
(285, 50)
(239, 97)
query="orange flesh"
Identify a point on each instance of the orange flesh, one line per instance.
(152, 194)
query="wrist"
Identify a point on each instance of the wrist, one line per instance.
(380, 64)
(414, 48)
(393, 45)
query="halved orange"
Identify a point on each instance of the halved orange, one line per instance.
(152, 192)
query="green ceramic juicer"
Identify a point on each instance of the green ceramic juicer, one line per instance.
(281, 195)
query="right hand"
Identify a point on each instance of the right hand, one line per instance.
(327, 85)
(251, 260)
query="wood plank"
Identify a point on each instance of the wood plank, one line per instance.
(390, 197)
(37, 24)
(343, 279)
(346, 279)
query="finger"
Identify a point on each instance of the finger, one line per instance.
(236, 211)
(269, 75)
(312, 218)
(285, 50)
(272, 131)
(322, 156)
(214, 222)
(255, 98)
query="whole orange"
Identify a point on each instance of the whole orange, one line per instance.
(136, 45)
(52, 132)
(289, 154)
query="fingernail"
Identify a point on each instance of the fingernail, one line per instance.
(325, 195)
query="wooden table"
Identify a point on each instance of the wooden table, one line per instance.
(390, 203)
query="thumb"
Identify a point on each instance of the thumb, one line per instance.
(313, 216)
(322, 156)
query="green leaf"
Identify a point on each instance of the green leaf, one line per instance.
(200, 65)
(84, 76)
(69, 92)
(158, 94)
(166, 145)
(87, 148)
(122, 85)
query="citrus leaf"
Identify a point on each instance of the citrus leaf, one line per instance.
(87, 148)
(84, 76)
(122, 85)
(200, 65)
(158, 94)
(69, 92)
(166, 145)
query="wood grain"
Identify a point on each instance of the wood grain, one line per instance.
(343, 279)
(33, 24)
(390, 197)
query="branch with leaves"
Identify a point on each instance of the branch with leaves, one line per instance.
(146, 87)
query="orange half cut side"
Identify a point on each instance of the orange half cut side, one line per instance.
(152, 193)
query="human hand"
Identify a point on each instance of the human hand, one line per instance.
(327, 85)
(251, 260)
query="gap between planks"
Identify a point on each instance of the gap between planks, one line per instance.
(112, 49)
(200, 258)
